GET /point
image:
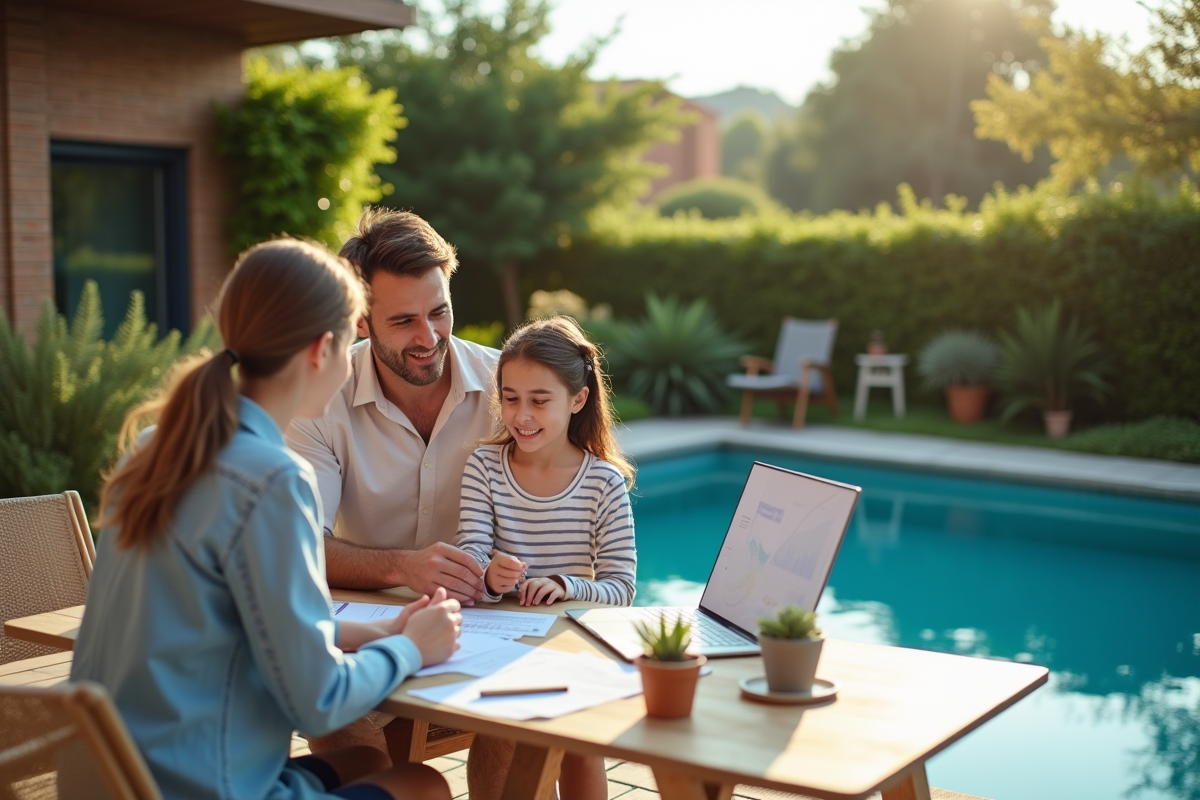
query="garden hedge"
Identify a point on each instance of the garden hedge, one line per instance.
(1126, 261)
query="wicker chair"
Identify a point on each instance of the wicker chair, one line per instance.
(46, 556)
(76, 726)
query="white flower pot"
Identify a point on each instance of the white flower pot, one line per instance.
(790, 664)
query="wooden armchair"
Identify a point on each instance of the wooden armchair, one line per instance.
(799, 372)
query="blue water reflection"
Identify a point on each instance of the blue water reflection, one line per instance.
(1101, 588)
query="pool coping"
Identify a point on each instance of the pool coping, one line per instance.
(658, 438)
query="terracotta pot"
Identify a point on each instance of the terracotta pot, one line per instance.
(967, 403)
(1058, 423)
(876, 349)
(790, 664)
(669, 687)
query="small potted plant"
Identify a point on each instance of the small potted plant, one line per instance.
(669, 671)
(791, 646)
(876, 346)
(960, 363)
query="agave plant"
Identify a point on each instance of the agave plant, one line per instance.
(958, 358)
(790, 622)
(675, 359)
(1046, 364)
(662, 642)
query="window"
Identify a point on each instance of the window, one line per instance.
(119, 217)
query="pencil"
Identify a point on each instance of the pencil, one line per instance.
(522, 690)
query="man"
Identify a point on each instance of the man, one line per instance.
(389, 453)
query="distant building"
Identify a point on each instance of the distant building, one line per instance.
(695, 154)
(107, 169)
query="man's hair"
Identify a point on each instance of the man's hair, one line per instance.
(398, 242)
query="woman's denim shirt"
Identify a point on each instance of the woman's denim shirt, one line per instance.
(217, 642)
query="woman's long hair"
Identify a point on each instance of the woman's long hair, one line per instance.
(280, 297)
(561, 346)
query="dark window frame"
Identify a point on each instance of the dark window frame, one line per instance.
(174, 273)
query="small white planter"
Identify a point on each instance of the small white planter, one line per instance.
(790, 664)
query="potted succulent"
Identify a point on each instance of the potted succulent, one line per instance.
(876, 346)
(1047, 364)
(791, 646)
(960, 363)
(669, 671)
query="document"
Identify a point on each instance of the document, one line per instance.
(480, 655)
(364, 612)
(508, 624)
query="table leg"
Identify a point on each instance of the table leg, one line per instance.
(898, 393)
(533, 773)
(912, 785)
(860, 394)
(682, 786)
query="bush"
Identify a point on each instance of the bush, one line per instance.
(714, 198)
(488, 334)
(1159, 437)
(67, 394)
(958, 358)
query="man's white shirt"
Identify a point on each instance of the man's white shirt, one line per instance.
(379, 482)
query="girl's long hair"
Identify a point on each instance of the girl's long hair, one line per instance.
(561, 346)
(280, 297)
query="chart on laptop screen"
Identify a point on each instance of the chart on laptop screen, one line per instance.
(780, 546)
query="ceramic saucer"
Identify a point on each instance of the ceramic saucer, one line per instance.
(756, 689)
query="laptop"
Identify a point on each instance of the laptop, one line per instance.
(779, 550)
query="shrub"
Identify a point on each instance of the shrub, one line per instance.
(488, 334)
(675, 359)
(957, 358)
(714, 198)
(1159, 437)
(68, 393)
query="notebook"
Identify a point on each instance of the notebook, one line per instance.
(779, 550)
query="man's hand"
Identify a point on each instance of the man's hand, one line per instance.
(504, 572)
(443, 566)
(434, 628)
(535, 590)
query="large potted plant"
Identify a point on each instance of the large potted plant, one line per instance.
(791, 646)
(961, 364)
(669, 671)
(1048, 364)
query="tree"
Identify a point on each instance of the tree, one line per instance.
(743, 144)
(1094, 102)
(504, 154)
(897, 109)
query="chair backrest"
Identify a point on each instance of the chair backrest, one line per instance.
(46, 557)
(804, 339)
(67, 742)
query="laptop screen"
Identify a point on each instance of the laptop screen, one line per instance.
(780, 547)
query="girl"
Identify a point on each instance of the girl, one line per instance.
(208, 616)
(545, 508)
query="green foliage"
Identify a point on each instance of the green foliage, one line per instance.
(663, 643)
(957, 358)
(1047, 365)
(1095, 102)
(743, 144)
(790, 622)
(627, 408)
(303, 145)
(70, 391)
(1127, 261)
(676, 358)
(488, 334)
(1159, 437)
(714, 198)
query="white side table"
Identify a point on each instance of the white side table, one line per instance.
(885, 371)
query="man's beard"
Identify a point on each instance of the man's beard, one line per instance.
(417, 376)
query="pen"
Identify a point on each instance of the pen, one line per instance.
(522, 690)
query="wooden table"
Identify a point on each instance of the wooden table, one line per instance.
(896, 708)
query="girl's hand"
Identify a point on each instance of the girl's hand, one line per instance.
(434, 629)
(535, 590)
(504, 572)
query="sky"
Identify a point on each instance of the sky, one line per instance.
(702, 47)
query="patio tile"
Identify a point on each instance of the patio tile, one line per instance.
(636, 775)
(618, 790)
(457, 778)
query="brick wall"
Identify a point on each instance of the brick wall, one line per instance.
(696, 154)
(83, 77)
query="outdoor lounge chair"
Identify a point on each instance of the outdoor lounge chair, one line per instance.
(74, 725)
(799, 371)
(46, 556)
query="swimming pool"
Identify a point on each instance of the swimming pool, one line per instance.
(1101, 588)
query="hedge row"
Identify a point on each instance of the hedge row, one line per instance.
(1127, 261)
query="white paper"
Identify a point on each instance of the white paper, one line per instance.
(591, 681)
(480, 661)
(508, 624)
(364, 612)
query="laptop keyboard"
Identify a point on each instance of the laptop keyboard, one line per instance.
(705, 631)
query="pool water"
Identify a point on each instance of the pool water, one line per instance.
(1103, 589)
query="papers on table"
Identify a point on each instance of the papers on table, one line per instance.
(479, 655)
(364, 612)
(507, 624)
(590, 681)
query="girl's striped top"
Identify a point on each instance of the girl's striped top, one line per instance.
(583, 535)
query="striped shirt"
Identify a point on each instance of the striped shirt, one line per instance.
(583, 535)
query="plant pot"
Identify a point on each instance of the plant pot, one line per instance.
(967, 403)
(1058, 423)
(876, 349)
(790, 664)
(669, 687)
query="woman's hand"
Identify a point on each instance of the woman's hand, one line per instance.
(398, 624)
(434, 628)
(504, 572)
(535, 590)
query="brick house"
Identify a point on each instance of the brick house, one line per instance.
(106, 125)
